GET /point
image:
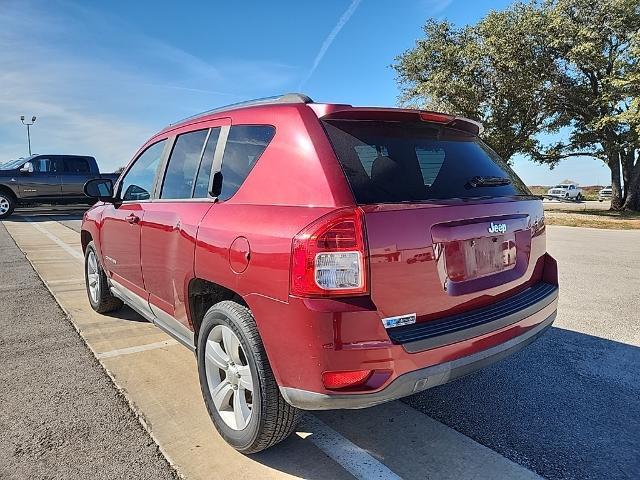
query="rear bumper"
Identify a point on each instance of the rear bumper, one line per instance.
(417, 380)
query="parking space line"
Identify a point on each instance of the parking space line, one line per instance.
(140, 348)
(352, 458)
(65, 246)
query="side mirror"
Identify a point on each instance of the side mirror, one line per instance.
(100, 188)
(27, 168)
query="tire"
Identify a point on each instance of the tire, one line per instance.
(7, 204)
(579, 197)
(101, 299)
(271, 418)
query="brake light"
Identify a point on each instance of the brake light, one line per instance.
(329, 257)
(436, 117)
(336, 380)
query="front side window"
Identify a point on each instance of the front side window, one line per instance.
(244, 146)
(44, 165)
(138, 181)
(183, 165)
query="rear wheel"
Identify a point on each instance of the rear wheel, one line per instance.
(238, 386)
(7, 205)
(100, 297)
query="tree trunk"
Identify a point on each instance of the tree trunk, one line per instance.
(616, 188)
(632, 185)
(627, 168)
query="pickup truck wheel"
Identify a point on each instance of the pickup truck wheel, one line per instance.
(100, 297)
(237, 383)
(7, 205)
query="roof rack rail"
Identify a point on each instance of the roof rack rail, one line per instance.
(286, 98)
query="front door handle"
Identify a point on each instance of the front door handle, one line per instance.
(132, 219)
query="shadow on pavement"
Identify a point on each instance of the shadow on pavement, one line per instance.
(568, 406)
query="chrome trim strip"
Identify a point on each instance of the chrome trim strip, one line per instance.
(174, 328)
(132, 299)
(165, 322)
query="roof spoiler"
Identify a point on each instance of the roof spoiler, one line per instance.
(347, 112)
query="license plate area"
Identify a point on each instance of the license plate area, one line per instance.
(479, 257)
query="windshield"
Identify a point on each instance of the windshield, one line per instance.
(11, 164)
(561, 186)
(388, 162)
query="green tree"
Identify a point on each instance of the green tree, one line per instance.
(537, 68)
(595, 46)
(495, 72)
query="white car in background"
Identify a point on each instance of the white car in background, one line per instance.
(566, 191)
(605, 194)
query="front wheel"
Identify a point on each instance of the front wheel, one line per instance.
(100, 297)
(7, 205)
(237, 383)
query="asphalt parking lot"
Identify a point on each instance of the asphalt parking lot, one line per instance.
(566, 407)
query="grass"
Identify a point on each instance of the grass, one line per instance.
(594, 218)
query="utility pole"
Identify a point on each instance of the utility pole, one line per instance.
(33, 120)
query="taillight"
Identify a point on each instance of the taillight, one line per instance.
(329, 257)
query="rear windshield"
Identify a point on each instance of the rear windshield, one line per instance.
(388, 162)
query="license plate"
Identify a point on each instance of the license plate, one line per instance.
(479, 257)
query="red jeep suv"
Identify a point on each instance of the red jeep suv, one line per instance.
(321, 256)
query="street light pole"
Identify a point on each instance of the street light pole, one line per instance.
(33, 120)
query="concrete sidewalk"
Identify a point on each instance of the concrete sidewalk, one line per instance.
(60, 417)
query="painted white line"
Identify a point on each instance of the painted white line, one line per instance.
(350, 456)
(140, 348)
(65, 246)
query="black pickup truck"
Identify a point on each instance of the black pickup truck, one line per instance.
(50, 179)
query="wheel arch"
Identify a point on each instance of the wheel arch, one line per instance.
(9, 191)
(85, 238)
(203, 294)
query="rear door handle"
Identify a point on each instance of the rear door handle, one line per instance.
(132, 219)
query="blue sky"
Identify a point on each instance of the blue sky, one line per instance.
(102, 77)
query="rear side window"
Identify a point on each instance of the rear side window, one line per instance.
(183, 165)
(138, 181)
(244, 146)
(76, 165)
(388, 162)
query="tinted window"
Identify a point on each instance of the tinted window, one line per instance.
(138, 181)
(201, 189)
(44, 165)
(413, 161)
(244, 146)
(183, 165)
(76, 165)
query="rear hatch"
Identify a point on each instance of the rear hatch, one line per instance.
(450, 227)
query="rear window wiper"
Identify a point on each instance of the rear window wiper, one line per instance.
(478, 181)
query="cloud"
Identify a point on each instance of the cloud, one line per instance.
(99, 87)
(330, 38)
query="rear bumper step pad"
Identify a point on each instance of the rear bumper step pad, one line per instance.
(463, 326)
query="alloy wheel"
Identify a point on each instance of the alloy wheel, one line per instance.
(4, 205)
(229, 377)
(93, 280)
